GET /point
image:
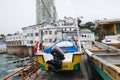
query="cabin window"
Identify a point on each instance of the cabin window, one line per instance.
(107, 40)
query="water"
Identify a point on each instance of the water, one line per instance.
(6, 67)
(3, 71)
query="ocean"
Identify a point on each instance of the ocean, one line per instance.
(6, 67)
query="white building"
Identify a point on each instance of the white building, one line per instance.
(49, 35)
(30, 35)
(54, 32)
(22, 43)
(14, 37)
(27, 38)
(14, 43)
(87, 37)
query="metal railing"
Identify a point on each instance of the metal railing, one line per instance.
(33, 68)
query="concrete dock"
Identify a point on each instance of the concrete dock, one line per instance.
(43, 75)
(83, 74)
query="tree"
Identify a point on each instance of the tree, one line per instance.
(89, 24)
(79, 21)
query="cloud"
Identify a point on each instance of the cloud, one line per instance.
(90, 9)
(16, 14)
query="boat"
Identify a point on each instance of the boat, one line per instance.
(63, 54)
(105, 60)
(109, 32)
(112, 40)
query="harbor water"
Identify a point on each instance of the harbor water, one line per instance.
(9, 64)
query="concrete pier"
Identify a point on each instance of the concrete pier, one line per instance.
(43, 75)
(83, 74)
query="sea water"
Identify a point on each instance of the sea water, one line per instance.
(6, 68)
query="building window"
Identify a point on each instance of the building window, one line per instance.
(46, 40)
(65, 29)
(45, 32)
(55, 32)
(50, 32)
(28, 42)
(31, 41)
(7, 38)
(19, 43)
(36, 34)
(50, 40)
(31, 34)
(25, 36)
(82, 35)
(28, 34)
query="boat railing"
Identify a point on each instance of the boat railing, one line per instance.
(33, 68)
(106, 47)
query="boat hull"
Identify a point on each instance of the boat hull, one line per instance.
(66, 65)
(99, 69)
(117, 45)
(105, 70)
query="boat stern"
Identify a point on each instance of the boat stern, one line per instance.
(71, 61)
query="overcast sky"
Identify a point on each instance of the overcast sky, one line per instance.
(15, 14)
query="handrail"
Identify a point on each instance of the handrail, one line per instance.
(22, 71)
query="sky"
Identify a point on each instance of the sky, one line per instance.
(15, 14)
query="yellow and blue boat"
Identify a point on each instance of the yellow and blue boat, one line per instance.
(63, 55)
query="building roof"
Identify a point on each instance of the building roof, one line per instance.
(109, 21)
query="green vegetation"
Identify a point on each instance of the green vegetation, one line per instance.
(88, 25)
(2, 36)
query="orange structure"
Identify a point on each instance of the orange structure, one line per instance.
(34, 69)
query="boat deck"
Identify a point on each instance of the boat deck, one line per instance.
(105, 60)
